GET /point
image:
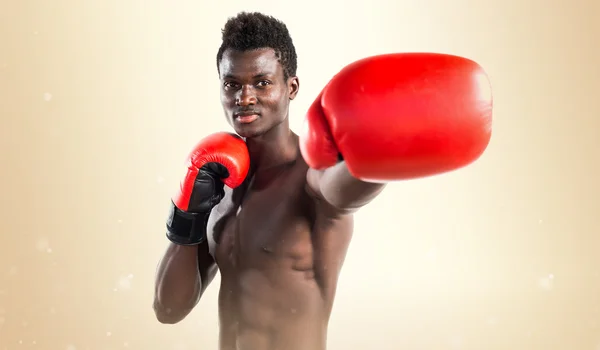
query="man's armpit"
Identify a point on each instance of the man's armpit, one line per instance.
(207, 267)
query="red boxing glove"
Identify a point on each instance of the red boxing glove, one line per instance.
(217, 160)
(400, 116)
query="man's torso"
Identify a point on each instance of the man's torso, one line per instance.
(279, 252)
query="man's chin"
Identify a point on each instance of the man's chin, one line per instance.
(247, 130)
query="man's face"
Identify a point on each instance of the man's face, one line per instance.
(254, 93)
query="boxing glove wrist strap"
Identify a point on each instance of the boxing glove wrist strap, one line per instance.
(185, 228)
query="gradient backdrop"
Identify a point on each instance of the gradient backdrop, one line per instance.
(101, 101)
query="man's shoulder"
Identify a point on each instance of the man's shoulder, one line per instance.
(313, 190)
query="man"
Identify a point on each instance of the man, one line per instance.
(273, 211)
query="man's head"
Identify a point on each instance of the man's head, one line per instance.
(257, 68)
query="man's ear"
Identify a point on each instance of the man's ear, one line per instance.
(294, 86)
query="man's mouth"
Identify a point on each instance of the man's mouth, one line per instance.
(246, 117)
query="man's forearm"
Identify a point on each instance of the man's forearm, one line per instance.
(344, 191)
(178, 283)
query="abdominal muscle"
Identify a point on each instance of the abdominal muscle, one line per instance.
(271, 309)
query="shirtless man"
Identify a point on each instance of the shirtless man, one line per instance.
(272, 211)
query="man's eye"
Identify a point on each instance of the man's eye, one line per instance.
(263, 83)
(229, 85)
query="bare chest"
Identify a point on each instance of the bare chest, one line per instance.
(264, 228)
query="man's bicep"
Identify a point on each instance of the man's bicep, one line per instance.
(341, 190)
(313, 178)
(314, 189)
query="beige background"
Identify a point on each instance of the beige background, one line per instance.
(101, 100)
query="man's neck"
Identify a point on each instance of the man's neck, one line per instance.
(277, 147)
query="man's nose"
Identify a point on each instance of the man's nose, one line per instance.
(246, 96)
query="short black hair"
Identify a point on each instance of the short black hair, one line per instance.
(254, 30)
